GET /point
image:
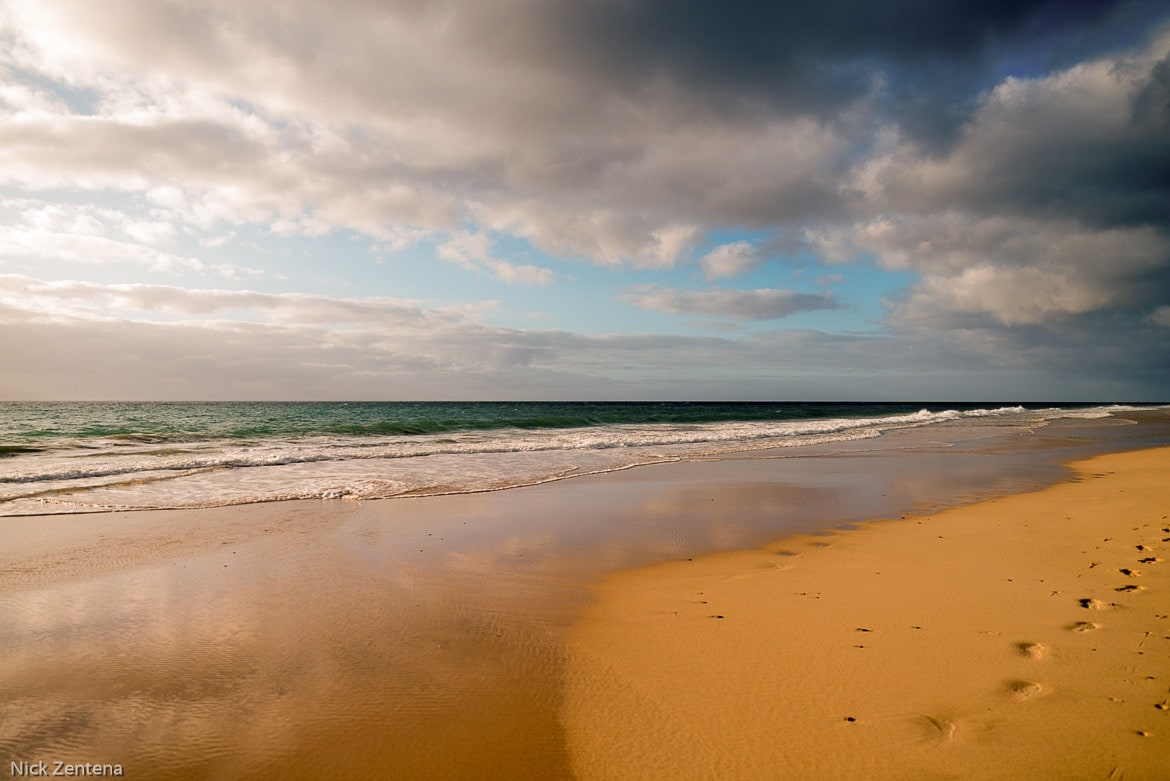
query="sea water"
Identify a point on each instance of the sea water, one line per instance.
(100, 457)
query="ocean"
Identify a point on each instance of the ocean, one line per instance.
(101, 457)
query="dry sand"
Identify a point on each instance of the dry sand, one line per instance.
(1026, 637)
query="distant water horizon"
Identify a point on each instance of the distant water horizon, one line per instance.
(58, 457)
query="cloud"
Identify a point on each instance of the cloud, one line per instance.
(141, 302)
(605, 235)
(582, 127)
(473, 251)
(762, 304)
(1045, 212)
(730, 260)
(84, 340)
(1083, 143)
(49, 217)
(428, 122)
(88, 235)
(1015, 269)
(75, 340)
(802, 57)
(1026, 296)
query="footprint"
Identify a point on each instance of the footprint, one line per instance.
(941, 729)
(1130, 588)
(1149, 560)
(1083, 626)
(1094, 604)
(1130, 573)
(1025, 690)
(1034, 650)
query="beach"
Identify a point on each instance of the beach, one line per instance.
(626, 389)
(1023, 637)
(557, 630)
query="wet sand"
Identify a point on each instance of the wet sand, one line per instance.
(278, 641)
(1022, 637)
(409, 638)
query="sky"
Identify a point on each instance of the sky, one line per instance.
(585, 199)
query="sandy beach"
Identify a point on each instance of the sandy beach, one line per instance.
(1023, 637)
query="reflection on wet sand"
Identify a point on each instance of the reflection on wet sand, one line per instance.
(285, 656)
(406, 638)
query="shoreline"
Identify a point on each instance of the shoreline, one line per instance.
(1023, 636)
(216, 485)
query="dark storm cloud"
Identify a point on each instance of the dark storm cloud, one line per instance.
(816, 56)
(1094, 146)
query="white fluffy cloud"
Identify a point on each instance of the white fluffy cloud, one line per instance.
(1014, 269)
(730, 260)
(473, 251)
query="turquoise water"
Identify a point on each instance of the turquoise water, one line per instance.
(91, 457)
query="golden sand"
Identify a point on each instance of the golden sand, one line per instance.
(1027, 637)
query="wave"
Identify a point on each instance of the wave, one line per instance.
(1094, 413)
(234, 454)
(170, 423)
(18, 450)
